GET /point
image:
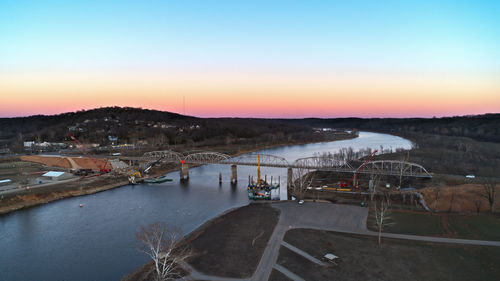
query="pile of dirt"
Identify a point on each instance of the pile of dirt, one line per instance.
(460, 198)
(67, 162)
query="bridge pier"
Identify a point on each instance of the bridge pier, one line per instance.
(289, 176)
(184, 173)
(234, 174)
(289, 179)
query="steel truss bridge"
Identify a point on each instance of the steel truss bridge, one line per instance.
(378, 167)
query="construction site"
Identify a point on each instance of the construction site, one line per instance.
(29, 180)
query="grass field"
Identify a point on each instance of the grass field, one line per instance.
(278, 276)
(362, 259)
(233, 245)
(481, 226)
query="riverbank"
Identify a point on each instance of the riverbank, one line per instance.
(241, 232)
(27, 198)
(304, 233)
(34, 197)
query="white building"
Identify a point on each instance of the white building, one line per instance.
(56, 176)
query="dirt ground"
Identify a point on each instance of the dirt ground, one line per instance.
(67, 162)
(18, 171)
(362, 259)
(233, 245)
(464, 198)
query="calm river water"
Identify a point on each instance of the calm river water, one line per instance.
(60, 241)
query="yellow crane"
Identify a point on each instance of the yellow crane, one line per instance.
(258, 168)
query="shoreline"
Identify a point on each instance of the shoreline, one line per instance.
(44, 197)
(48, 197)
(23, 201)
(138, 272)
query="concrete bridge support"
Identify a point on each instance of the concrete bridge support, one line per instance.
(289, 178)
(184, 173)
(234, 174)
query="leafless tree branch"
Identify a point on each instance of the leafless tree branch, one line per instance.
(159, 242)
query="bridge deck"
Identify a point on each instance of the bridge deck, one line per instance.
(379, 167)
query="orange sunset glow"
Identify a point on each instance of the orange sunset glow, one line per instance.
(246, 61)
(294, 95)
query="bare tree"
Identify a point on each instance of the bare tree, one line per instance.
(489, 190)
(452, 199)
(478, 205)
(160, 243)
(301, 180)
(382, 214)
(402, 168)
(374, 184)
(437, 190)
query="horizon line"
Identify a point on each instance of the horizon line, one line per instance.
(252, 117)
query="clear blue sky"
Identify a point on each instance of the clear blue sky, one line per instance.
(460, 37)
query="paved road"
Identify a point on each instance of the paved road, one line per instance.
(330, 217)
(288, 273)
(308, 215)
(302, 253)
(36, 186)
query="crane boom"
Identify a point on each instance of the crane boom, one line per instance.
(102, 169)
(355, 177)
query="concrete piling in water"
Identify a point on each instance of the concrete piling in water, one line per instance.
(234, 174)
(184, 173)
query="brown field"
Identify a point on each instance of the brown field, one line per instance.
(66, 162)
(461, 198)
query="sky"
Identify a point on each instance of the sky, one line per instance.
(252, 58)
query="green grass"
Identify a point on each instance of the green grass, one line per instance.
(480, 227)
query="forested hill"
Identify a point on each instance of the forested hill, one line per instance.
(480, 127)
(32, 124)
(160, 128)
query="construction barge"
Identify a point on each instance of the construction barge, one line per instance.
(261, 190)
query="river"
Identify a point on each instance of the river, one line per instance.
(61, 241)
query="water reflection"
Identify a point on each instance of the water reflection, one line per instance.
(97, 242)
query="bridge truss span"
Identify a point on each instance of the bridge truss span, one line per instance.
(379, 167)
(266, 160)
(396, 168)
(322, 163)
(164, 156)
(206, 158)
